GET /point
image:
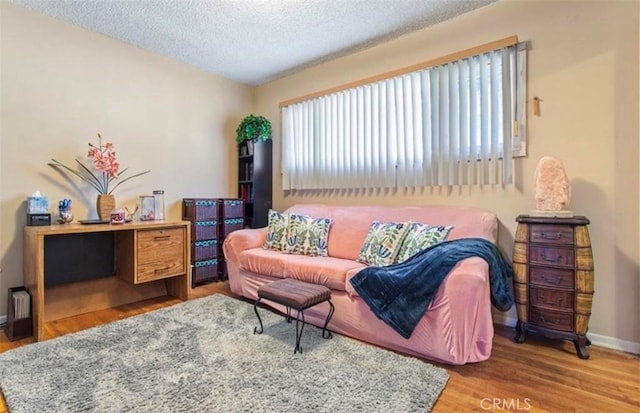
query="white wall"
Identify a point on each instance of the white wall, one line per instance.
(61, 85)
(583, 64)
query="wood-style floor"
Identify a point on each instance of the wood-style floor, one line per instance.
(540, 375)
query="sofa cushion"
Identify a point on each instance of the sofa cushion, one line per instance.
(306, 235)
(328, 271)
(382, 244)
(277, 227)
(421, 236)
(261, 261)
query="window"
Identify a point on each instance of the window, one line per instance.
(459, 123)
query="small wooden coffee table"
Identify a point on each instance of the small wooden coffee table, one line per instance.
(298, 295)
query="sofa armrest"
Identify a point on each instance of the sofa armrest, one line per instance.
(243, 239)
(464, 285)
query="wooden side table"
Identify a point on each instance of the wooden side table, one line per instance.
(553, 278)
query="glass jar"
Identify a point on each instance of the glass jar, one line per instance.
(147, 208)
(158, 197)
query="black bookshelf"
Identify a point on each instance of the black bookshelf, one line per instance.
(255, 181)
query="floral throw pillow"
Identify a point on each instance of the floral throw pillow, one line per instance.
(277, 230)
(421, 236)
(306, 235)
(382, 244)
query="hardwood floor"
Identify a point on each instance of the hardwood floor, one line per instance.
(539, 375)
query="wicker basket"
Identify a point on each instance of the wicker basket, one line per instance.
(197, 209)
(229, 225)
(206, 270)
(204, 250)
(231, 208)
(204, 230)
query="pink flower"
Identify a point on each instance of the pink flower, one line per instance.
(104, 158)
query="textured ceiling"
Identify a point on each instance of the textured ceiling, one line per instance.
(253, 41)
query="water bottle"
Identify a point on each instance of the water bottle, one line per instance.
(158, 197)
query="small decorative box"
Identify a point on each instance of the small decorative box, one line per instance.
(118, 217)
(36, 220)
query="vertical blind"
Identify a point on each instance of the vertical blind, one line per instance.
(454, 124)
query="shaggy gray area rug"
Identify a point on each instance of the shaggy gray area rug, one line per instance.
(202, 356)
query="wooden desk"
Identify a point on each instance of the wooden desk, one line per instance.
(144, 260)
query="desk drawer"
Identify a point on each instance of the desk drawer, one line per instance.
(160, 254)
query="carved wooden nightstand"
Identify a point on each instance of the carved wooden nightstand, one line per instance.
(553, 278)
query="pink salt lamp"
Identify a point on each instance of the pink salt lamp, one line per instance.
(552, 189)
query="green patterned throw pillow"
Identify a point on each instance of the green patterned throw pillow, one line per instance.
(421, 236)
(382, 244)
(277, 230)
(306, 235)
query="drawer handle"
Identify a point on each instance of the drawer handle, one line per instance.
(161, 270)
(544, 320)
(552, 236)
(555, 260)
(550, 301)
(161, 237)
(550, 279)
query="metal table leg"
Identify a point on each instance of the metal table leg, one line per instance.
(299, 319)
(255, 309)
(326, 333)
(299, 333)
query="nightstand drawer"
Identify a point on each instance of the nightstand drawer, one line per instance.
(561, 256)
(551, 298)
(552, 277)
(551, 319)
(160, 254)
(552, 234)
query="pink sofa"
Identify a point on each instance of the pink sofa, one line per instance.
(457, 327)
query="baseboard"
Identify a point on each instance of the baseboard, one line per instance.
(596, 339)
(615, 343)
(505, 320)
(3, 319)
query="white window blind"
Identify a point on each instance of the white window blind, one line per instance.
(456, 124)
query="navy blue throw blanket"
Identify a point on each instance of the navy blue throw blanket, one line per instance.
(399, 294)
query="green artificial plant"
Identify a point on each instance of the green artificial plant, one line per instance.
(253, 128)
